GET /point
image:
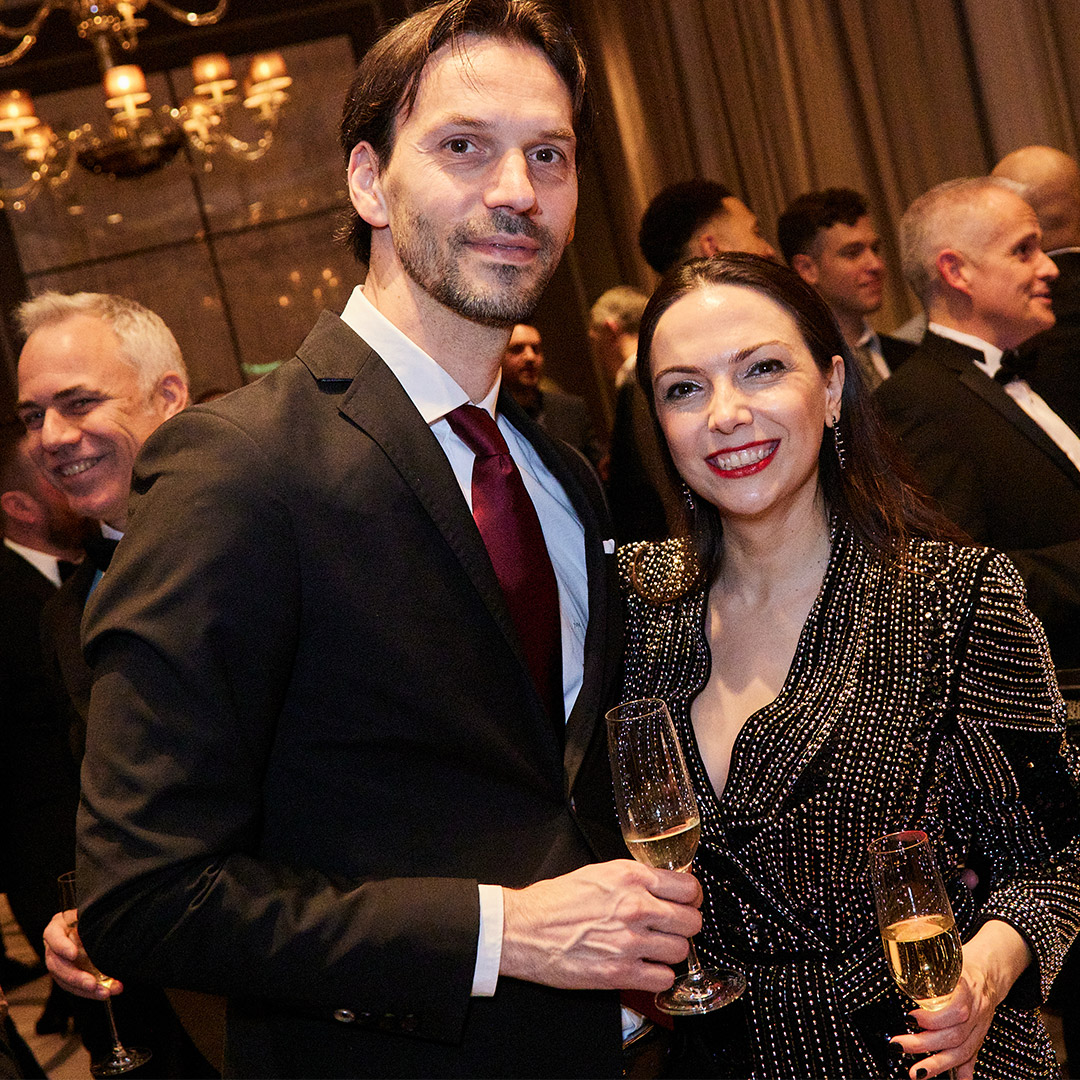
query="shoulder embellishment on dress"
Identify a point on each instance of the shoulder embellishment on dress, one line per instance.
(662, 572)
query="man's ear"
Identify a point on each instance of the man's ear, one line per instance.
(171, 393)
(806, 268)
(954, 270)
(365, 187)
(707, 244)
(21, 506)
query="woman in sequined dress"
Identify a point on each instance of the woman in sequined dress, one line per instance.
(841, 666)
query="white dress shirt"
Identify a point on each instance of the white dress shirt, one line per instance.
(435, 393)
(1019, 391)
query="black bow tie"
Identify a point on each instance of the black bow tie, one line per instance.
(65, 568)
(1014, 365)
(99, 550)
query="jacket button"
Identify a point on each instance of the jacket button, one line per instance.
(409, 1023)
(344, 1016)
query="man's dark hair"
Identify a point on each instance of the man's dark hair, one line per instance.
(674, 215)
(800, 223)
(388, 78)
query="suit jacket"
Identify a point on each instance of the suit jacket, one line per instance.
(39, 786)
(1055, 353)
(566, 417)
(313, 732)
(894, 351)
(644, 502)
(996, 473)
(61, 620)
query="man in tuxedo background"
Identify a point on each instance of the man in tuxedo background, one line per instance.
(334, 769)
(1050, 181)
(828, 239)
(1002, 464)
(97, 374)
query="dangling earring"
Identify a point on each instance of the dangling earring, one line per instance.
(838, 440)
(688, 498)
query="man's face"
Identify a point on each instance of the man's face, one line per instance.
(477, 201)
(1008, 276)
(523, 360)
(846, 267)
(737, 229)
(86, 414)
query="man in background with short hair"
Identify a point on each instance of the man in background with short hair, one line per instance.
(1000, 462)
(698, 217)
(828, 239)
(563, 416)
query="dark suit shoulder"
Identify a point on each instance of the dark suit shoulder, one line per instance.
(895, 350)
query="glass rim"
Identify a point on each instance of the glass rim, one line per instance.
(896, 843)
(629, 712)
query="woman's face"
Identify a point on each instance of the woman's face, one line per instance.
(741, 402)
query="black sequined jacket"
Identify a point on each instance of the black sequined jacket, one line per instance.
(920, 697)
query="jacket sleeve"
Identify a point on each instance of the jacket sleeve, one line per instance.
(192, 633)
(1015, 777)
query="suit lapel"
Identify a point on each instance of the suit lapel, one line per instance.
(961, 359)
(377, 404)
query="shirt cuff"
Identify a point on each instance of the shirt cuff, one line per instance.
(489, 945)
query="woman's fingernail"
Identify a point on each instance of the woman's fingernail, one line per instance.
(921, 1074)
(896, 1048)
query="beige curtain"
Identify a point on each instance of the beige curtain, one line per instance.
(777, 97)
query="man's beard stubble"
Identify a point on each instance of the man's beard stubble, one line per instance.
(438, 272)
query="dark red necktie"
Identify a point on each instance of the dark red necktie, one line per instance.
(511, 532)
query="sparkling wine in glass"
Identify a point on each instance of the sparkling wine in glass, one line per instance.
(916, 920)
(120, 1059)
(660, 823)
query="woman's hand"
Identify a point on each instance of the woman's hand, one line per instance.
(993, 960)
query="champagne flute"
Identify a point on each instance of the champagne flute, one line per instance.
(916, 920)
(660, 823)
(120, 1059)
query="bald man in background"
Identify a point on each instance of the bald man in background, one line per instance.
(1050, 181)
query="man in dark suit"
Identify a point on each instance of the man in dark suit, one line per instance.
(39, 784)
(337, 768)
(1050, 181)
(1002, 464)
(829, 240)
(563, 416)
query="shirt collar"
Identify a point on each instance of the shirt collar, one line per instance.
(991, 353)
(430, 388)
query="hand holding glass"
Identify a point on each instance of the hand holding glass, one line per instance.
(916, 919)
(120, 1059)
(660, 823)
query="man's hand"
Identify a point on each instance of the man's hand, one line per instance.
(615, 925)
(64, 954)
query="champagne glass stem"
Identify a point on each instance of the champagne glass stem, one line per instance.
(118, 1046)
(693, 964)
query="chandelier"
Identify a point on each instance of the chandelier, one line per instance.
(139, 139)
